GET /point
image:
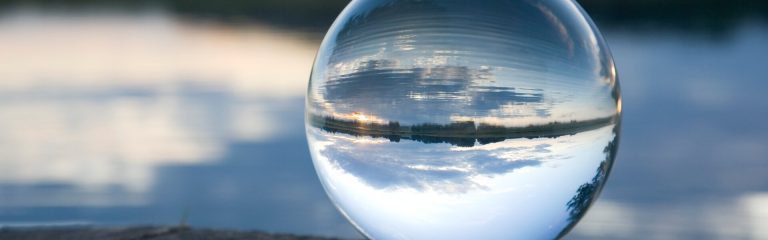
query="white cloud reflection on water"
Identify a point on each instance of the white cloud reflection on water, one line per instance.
(741, 218)
(86, 80)
(103, 50)
(97, 101)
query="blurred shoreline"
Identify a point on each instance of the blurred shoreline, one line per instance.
(709, 16)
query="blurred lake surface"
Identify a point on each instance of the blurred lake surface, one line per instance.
(115, 118)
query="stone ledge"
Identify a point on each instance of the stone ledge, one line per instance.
(142, 233)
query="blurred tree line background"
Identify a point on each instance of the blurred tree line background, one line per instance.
(316, 15)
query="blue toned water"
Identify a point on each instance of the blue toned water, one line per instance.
(151, 142)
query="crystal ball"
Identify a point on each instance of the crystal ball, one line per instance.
(457, 119)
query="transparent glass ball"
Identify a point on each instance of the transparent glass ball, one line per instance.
(458, 119)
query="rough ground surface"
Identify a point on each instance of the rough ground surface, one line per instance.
(141, 233)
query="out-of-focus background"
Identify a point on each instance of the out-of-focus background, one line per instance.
(139, 112)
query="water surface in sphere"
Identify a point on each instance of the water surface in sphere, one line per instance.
(457, 119)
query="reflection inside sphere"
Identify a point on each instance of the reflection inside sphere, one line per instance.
(463, 119)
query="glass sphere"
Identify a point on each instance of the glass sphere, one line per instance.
(458, 119)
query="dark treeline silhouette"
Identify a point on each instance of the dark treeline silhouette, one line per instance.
(463, 133)
(698, 15)
(314, 16)
(710, 16)
(588, 192)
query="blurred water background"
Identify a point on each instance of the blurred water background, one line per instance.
(116, 113)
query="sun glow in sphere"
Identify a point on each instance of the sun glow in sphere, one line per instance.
(458, 119)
